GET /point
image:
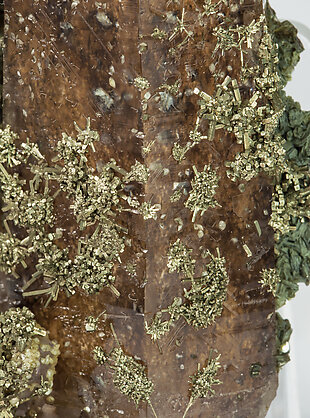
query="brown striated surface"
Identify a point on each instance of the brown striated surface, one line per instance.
(58, 54)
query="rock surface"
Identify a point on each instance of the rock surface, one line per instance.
(66, 61)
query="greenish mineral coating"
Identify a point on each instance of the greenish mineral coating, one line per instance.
(284, 332)
(27, 359)
(289, 46)
(293, 261)
(255, 369)
(290, 205)
(294, 127)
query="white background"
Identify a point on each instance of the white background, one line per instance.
(293, 397)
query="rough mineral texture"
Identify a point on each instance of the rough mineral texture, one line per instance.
(69, 60)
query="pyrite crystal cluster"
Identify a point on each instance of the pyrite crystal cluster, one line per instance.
(28, 359)
(154, 183)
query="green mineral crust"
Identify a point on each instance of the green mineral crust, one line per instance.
(289, 46)
(290, 206)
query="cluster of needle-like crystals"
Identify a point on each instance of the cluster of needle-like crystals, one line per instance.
(202, 382)
(254, 118)
(101, 194)
(8, 151)
(248, 120)
(91, 323)
(263, 149)
(94, 263)
(94, 195)
(210, 8)
(180, 30)
(12, 253)
(90, 270)
(141, 83)
(149, 211)
(10, 154)
(11, 186)
(159, 327)
(270, 279)
(265, 155)
(195, 137)
(178, 152)
(55, 267)
(96, 198)
(201, 196)
(180, 259)
(32, 211)
(204, 300)
(202, 303)
(129, 375)
(229, 37)
(159, 34)
(290, 202)
(280, 217)
(27, 359)
(138, 172)
(27, 208)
